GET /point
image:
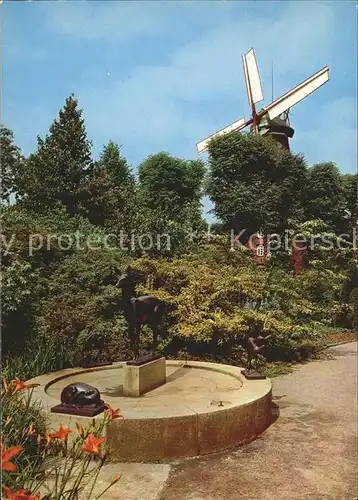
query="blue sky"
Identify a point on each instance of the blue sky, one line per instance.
(160, 76)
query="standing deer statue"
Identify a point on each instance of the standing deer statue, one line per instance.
(254, 345)
(138, 311)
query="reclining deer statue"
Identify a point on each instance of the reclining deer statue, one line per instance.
(138, 311)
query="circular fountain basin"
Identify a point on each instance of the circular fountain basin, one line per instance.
(202, 408)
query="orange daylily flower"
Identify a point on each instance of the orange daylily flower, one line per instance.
(62, 433)
(112, 413)
(19, 494)
(21, 385)
(7, 455)
(92, 444)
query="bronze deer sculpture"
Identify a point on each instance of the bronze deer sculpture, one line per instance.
(138, 311)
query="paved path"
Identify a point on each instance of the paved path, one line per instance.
(309, 452)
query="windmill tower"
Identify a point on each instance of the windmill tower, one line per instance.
(271, 120)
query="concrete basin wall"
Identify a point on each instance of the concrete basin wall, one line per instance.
(179, 429)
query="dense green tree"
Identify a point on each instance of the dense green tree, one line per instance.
(115, 165)
(108, 197)
(324, 196)
(18, 285)
(55, 174)
(353, 316)
(10, 162)
(351, 281)
(350, 190)
(32, 246)
(171, 184)
(253, 184)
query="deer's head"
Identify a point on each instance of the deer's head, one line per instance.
(126, 279)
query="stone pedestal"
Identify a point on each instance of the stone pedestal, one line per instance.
(252, 374)
(144, 377)
(80, 411)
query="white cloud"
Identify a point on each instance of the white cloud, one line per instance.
(200, 88)
(332, 136)
(122, 21)
(22, 52)
(157, 104)
(105, 20)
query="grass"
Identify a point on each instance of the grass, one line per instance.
(272, 370)
(39, 357)
(341, 336)
(331, 336)
(44, 356)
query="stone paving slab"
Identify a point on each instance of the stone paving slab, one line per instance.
(138, 481)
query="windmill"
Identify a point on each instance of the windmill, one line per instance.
(272, 119)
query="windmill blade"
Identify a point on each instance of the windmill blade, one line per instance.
(298, 93)
(252, 78)
(238, 125)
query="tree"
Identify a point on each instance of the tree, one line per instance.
(354, 314)
(55, 174)
(18, 285)
(109, 193)
(171, 184)
(254, 184)
(324, 195)
(115, 165)
(11, 160)
(350, 190)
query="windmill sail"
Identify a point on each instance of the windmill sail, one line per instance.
(252, 78)
(203, 145)
(273, 110)
(297, 94)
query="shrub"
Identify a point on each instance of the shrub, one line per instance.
(83, 311)
(212, 307)
(354, 313)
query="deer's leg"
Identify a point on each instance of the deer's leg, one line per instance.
(251, 351)
(155, 337)
(249, 359)
(257, 362)
(132, 338)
